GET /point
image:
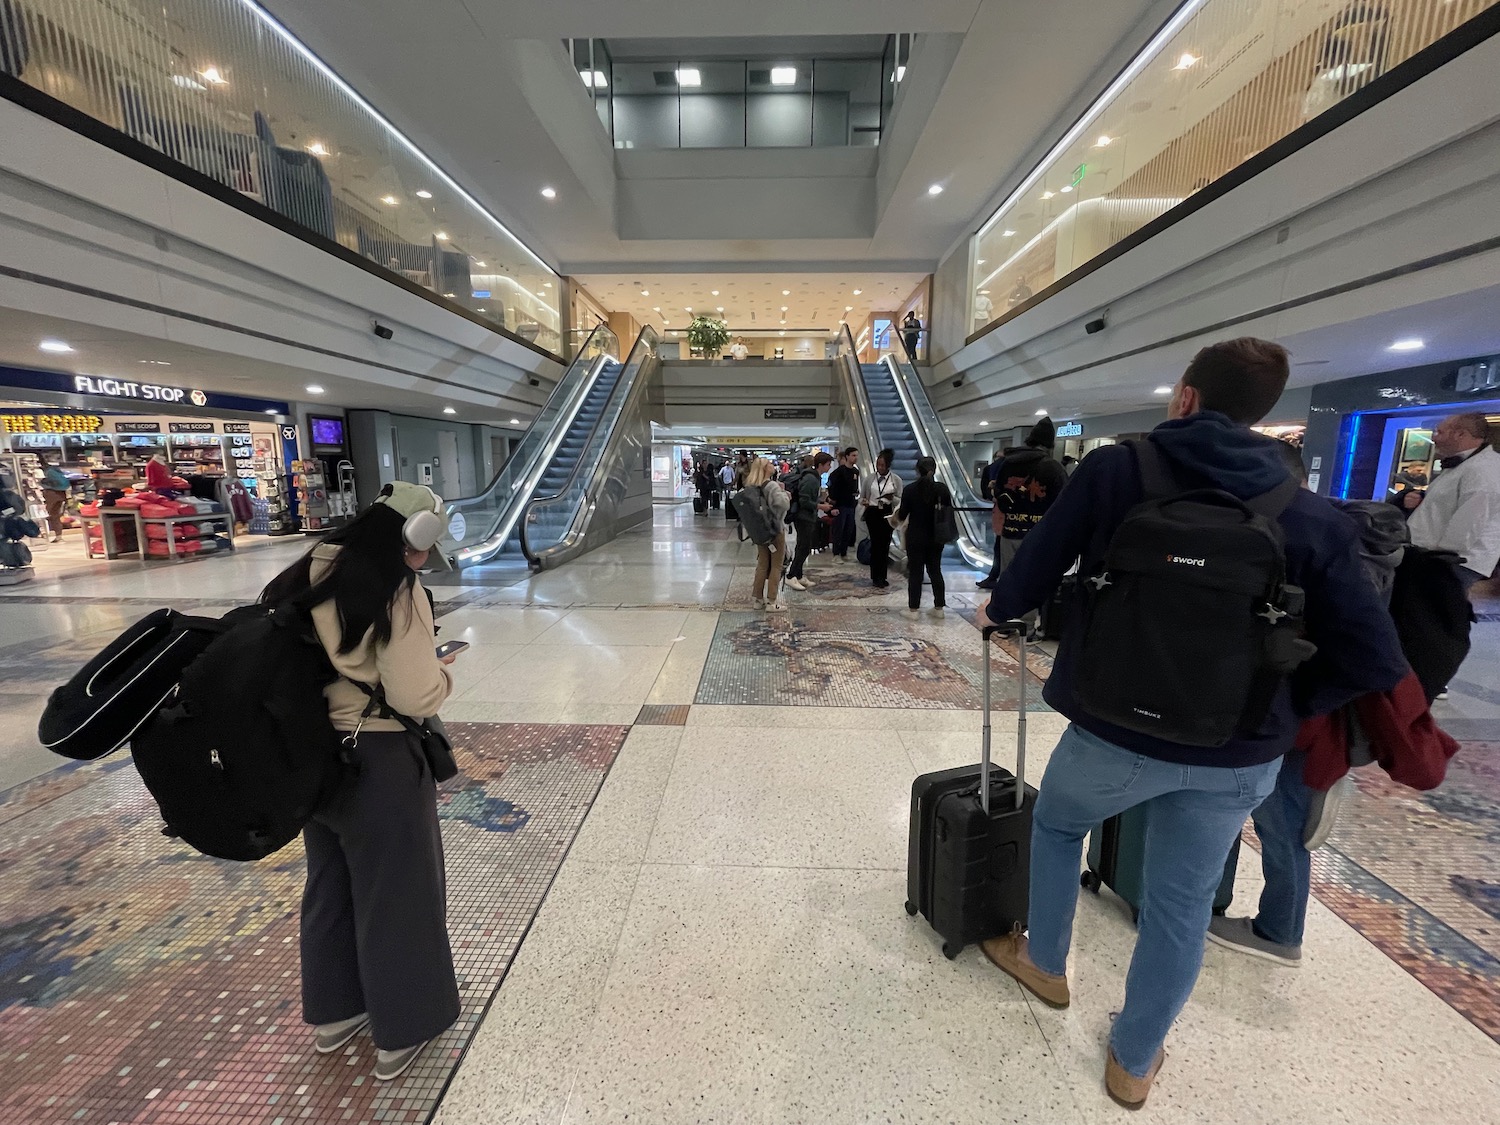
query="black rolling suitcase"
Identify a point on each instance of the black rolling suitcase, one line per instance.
(969, 857)
(700, 505)
(730, 511)
(1117, 855)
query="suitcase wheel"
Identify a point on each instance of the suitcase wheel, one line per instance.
(1090, 881)
(952, 949)
(911, 910)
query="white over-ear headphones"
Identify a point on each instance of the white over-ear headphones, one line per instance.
(423, 510)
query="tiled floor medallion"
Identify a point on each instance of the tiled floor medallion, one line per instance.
(142, 982)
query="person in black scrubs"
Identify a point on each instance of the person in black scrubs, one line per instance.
(924, 548)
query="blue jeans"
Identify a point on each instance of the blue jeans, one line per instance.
(1280, 822)
(1195, 812)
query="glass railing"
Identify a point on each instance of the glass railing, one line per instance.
(479, 526)
(555, 522)
(740, 103)
(221, 87)
(1221, 82)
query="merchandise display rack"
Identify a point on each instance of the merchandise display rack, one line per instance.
(309, 479)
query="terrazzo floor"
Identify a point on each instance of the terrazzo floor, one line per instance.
(678, 849)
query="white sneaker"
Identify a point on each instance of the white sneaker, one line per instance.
(796, 583)
(912, 613)
(776, 607)
(807, 583)
(938, 611)
(760, 603)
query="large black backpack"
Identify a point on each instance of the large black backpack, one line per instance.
(755, 515)
(1189, 628)
(244, 752)
(1433, 614)
(111, 697)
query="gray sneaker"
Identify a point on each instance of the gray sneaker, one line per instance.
(1239, 935)
(393, 1064)
(331, 1036)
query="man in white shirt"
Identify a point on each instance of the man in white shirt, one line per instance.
(739, 349)
(1461, 511)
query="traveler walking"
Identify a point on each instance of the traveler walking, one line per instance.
(1026, 485)
(923, 540)
(804, 488)
(1198, 756)
(1461, 510)
(911, 334)
(880, 497)
(56, 486)
(769, 557)
(375, 948)
(843, 494)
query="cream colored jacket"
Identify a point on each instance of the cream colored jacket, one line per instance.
(416, 682)
(1461, 512)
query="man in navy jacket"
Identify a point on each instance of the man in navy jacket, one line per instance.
(1198, 798)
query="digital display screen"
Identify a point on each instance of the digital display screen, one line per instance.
(327, 431)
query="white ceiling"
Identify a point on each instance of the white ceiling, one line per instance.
(752, 301)
(122, 355)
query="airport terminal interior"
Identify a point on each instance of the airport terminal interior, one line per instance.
(548, 282)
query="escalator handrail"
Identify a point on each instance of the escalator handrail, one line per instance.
(854, 386)
(645, 345)
(504, 525)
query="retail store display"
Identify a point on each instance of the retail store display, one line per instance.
(15, 528)
(312, 492)
(278, 515)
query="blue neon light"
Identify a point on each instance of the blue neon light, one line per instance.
(1347, 468)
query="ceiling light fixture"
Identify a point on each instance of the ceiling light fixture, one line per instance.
(1007, 233)
(1048, 194)
(857, 292)
(1065, 188)
(515, 421)
(1104, 142)
(1041, 413)
(318, 148)
(719, 309)
(213, 76)
(314, 389)
(57, 347)
(714, 292)
(689, 76)
(783, 76)
(424, 194)
(482, 265)
(689, 308)
(594, 79)
(786, 292)
(900, 74)
(934, 189)
(1188, 59)
(645, 292)
(1162, 391)
(848, 308)
(441, 236)
(389, 200)
(549, 193)
(157, 362)
(1410, 344)
(984, 423)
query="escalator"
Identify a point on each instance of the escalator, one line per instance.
(485, 528)
(551, 522)
(888, 408)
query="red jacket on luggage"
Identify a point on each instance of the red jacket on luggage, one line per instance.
(1405, 740)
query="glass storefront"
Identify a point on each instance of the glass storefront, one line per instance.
(217, 85)
(1223, 81)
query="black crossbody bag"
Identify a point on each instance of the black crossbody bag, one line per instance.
(437, 747)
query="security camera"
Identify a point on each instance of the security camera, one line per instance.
(534, 381)
(382, 331)
(1095, 325)
(959, 381)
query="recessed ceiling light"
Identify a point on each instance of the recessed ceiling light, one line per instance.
(719, 309)
(424, 194)
(483, 265)
(270, 412)
(714, 292)
(689, 308)
(546, 285)
(645, 292)
(55, 346)
(549, 193)
(389, 200)
(1041, 413)
(1188, 59)
(1048, 194)
(515, 421)
(317, 148)
(783, 308)
(1104, 141)
(848, 308)
(783, 331)
(857, 292)
(689, 76)
(984, 423)
(1065, 188)
(1411, 344)
(441, 236)
(935, 189)
(1162, 391)
(1006, 233)
(314, 389)
(157, 362)
(656, 308)
(594, 79)
(213, 76)
(783, 76)
(786, 292)
(449, 410)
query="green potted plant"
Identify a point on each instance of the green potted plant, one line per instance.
(708, 335)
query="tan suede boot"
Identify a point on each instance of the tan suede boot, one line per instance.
(1125, 1088)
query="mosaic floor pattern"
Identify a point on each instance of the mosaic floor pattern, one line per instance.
(847, 657)
(141, 982)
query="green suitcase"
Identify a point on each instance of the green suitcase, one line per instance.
(1117, 852)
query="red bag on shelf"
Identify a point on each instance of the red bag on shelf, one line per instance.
(157, 509)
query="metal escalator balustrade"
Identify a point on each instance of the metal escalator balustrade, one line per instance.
(595, 500)
(480, 527)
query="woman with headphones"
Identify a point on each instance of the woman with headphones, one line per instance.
(375, 949)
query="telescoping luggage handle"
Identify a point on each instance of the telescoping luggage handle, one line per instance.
(1019, 630)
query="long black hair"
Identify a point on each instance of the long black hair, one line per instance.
(364, 580)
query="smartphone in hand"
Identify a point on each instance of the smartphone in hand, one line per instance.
(451, 648)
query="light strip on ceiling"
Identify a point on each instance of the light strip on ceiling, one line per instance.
(324, 69)
(1153, 48)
